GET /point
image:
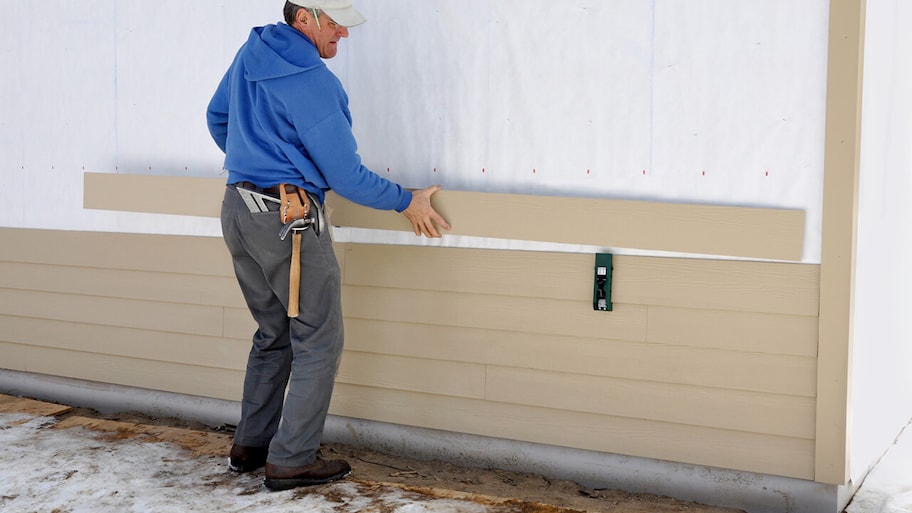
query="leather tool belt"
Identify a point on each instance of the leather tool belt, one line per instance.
(295, 203)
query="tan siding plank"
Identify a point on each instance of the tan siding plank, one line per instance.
(190, 319)
(776, 374)
(143, 344)
(741, 331)
(160, 253)
(12, 356)
(528, 315)
(718, 284)
(693, 283)
(790, 457)
(238, 324)
(687, 228)
(153, 375)
(417, 375)
(695, 406)
(124, 284)
(183, 195)
(750, 286)
(513, 273)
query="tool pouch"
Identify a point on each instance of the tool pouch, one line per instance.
(295, 203)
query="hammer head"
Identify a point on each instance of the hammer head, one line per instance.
(296, 225)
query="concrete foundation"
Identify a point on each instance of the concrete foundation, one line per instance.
(754, 493)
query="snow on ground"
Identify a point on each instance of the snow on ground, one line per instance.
(44, 468)
(888, 488)
(78, 470)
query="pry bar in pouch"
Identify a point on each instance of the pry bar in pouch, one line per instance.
(601, 296)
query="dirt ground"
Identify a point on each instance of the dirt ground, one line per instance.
(512, 491)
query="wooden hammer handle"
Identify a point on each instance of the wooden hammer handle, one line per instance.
(294, 275)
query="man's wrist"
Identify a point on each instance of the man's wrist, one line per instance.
(404, 202)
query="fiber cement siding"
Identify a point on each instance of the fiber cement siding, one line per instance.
(496, 343)
(768, 233)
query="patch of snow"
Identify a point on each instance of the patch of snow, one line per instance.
(888, 488)
(78, 470)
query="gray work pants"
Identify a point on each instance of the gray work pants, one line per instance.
(301, 354)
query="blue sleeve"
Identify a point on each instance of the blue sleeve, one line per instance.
(217, 114)
(332, 147)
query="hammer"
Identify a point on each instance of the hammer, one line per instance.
(296, 228)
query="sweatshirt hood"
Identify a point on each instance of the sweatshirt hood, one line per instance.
(277, 51)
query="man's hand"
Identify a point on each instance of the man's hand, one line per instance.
(422, 215)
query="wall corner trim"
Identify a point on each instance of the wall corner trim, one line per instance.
(840, 218)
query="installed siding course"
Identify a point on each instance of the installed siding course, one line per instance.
(703, 361)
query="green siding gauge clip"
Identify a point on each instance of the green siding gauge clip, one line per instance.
(601, 296)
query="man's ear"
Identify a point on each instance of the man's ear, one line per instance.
(301, 17)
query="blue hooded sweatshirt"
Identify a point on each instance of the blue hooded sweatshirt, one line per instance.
(281, 116)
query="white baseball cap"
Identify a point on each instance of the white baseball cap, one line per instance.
(341, 11)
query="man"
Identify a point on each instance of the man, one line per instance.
(283, 121)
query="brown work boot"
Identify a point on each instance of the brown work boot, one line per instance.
(319, 472)
(246, 459)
